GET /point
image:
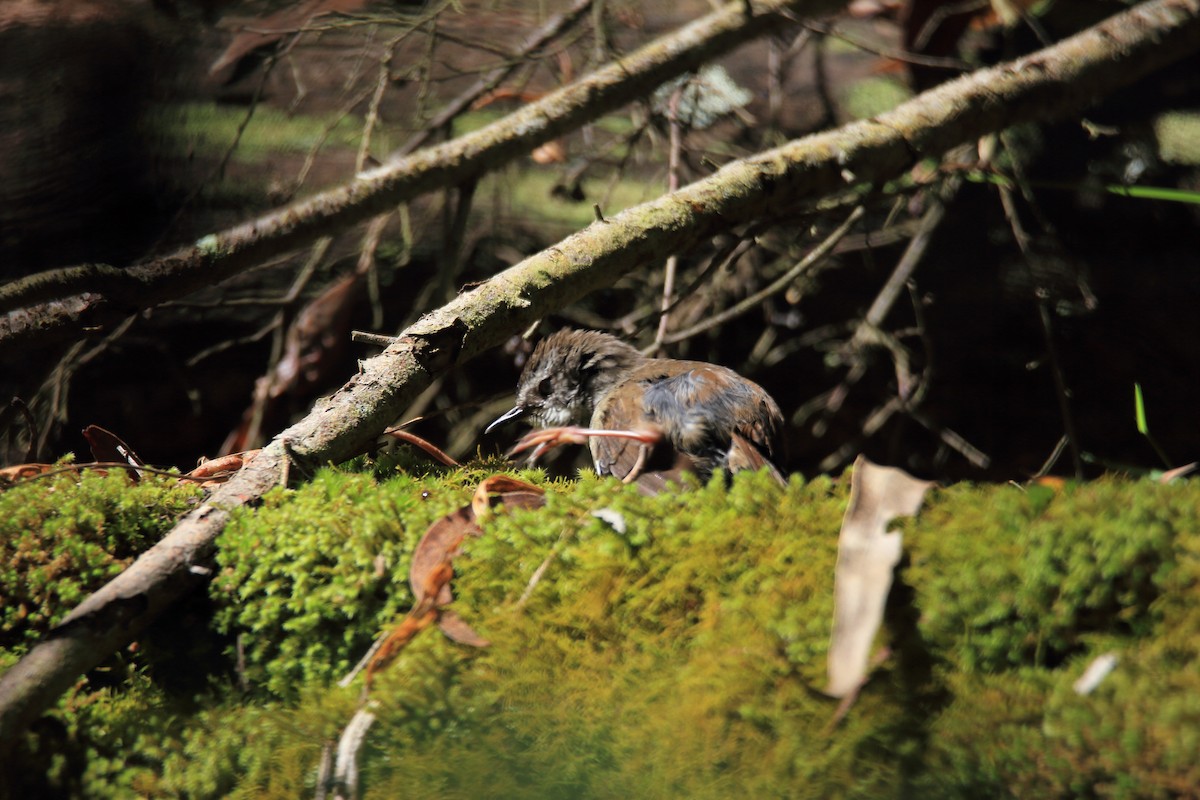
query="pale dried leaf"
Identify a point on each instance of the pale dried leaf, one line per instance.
(867, 554)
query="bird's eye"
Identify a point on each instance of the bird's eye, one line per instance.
(545, 388)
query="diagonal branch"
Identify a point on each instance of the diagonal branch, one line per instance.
(1050, 83)
(223, 255)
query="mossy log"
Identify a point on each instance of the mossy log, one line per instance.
(682, 656)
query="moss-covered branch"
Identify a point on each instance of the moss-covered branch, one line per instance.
(76, 302)
(1049, 83)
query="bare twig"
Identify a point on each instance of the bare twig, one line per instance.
(325, 771)
(366, 659)
(1060, 383)
(345, 769)
(910, 389)
(553, 28)
(673, 153)
(913, 253)
(951, 64)
(868, 331)
(778, 285)
(368, 266)
(1041, 300)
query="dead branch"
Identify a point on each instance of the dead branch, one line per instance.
(1051, 82)
(75, 304)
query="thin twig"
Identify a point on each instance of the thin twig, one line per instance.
(1041, 300)
(138, 468)
(536, 41)
(952, 64)
(778, 285)
(541, 570)
(367, 265)
(1060, 382)
(310, 159)
(911, 257)
(325, 771)
(953, 440)
(868, 331)
(302, 278)
(362, 662)
(673, 154)
(1051, 459)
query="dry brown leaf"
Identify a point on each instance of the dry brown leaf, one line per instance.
(867, 554)
(108, 447)
(431, 570)
(506, 490)
(438, 546)
(419, 618)
(458, 631)
(218, 470)
(21, 472)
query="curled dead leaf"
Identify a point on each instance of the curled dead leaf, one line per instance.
(438, 546)
(106, 446)
(435, 452)
(218, 470)
(501, 489)
(420, 618)
(432, 569)
(458, 631)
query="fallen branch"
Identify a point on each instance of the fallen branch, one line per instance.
(1052, 82)
(75, 302)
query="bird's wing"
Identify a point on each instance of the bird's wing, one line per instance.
(713, 408)
(655, 464)
(708, 417)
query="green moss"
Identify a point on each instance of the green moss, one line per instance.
(64, 537)
(1093, 558)
(681, 652)
(309, 578)
(61, 539)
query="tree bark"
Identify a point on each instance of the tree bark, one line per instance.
(59, 303)
(1050, 83)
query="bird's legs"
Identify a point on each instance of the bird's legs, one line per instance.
(545, 439)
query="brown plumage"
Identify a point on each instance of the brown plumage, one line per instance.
(650, 418)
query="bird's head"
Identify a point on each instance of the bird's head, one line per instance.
(567, 375)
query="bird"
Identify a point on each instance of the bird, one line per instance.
(648, 419)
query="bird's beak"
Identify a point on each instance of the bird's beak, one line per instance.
(511, 414)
